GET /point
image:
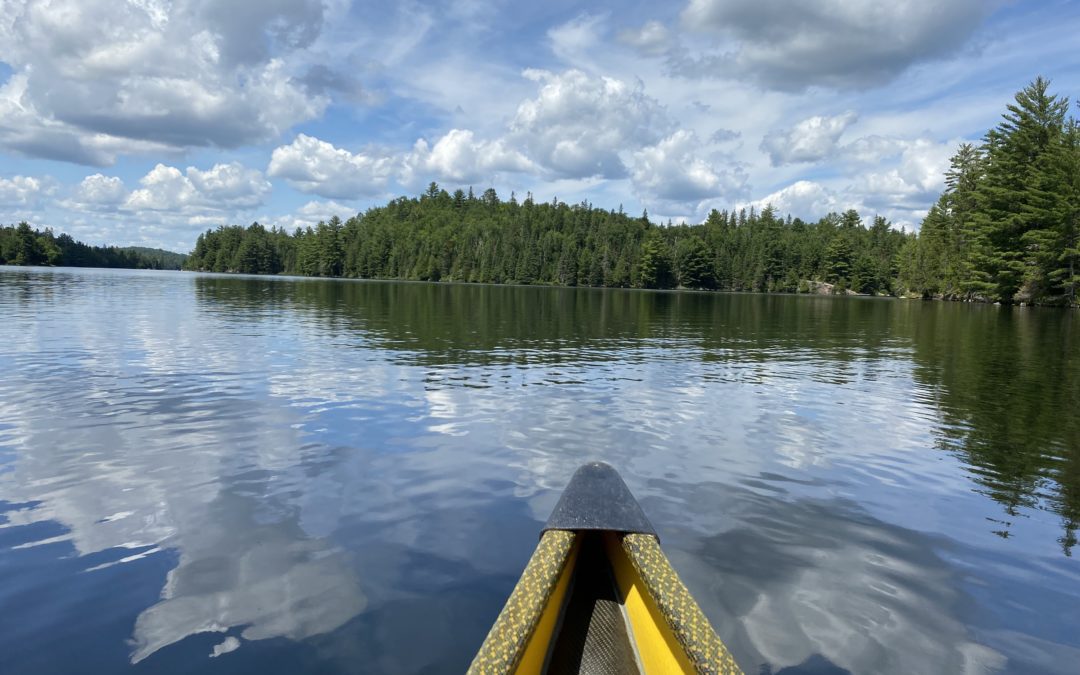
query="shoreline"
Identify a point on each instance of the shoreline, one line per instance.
(701, 291)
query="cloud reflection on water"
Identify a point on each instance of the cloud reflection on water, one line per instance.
(142, 433)
(361, 470)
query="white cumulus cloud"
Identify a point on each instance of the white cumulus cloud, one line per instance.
(23, 190)
(914, 182)
(97, 192)
(314, 166)
(459, 157)
(578, 125)
(165, 188)
(901, 190)
(100, 189)
(231, 185)
(811, 140)
(222, 188)
(310, 214)
(672, 170)
(94, 78)
(805, 199)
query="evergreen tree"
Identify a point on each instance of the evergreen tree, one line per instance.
(654, 270)
(26, 249)
(1019, 157)
(1006, 227)
(838, 260)
(24, 245)
(693, 267)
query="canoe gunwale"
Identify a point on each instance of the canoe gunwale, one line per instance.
(666, 627)
(665, 591)
(510, 636)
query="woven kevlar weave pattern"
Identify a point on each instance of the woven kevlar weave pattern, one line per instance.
(687, 622)
(506, 641)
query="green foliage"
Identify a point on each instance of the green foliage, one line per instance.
(23, 245)
(155, 258)
(838, 258)
(693, 266)
(1006, 228)
(461, 237)
(655, 268)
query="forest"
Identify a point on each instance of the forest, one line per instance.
(1005, 230)
(464, 237)
(22, 245)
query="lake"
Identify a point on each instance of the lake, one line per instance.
(209, 474)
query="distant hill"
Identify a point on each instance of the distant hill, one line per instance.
(23, 245)
(167, 260)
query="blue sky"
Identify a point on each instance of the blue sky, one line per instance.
(148, 121)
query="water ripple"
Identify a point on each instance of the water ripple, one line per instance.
(305, 475)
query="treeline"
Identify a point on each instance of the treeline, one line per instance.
(464, 237)
(1007, 228)
(22, 245)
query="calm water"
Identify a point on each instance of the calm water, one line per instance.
(223, 474)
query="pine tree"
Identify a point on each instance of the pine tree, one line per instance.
(1008, 195)
(960, 202)
(26, 249)
(692, 264)
(838, 259)
(1068, 267)
(655, 268)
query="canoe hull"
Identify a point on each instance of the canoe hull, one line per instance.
(538, 628)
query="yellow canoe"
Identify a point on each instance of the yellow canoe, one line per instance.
(599, 596)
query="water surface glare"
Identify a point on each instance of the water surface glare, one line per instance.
(208, 474)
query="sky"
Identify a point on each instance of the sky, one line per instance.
(145, 122)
